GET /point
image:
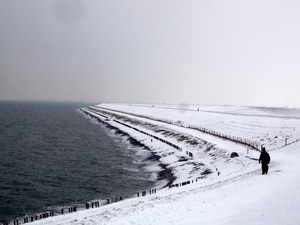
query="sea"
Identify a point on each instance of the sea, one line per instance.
(53, 156)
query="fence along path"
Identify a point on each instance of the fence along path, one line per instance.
(228, 137)
(235, 139)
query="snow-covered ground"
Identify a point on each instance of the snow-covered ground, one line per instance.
(221, 189)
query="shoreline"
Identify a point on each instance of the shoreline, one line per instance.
(165, 173)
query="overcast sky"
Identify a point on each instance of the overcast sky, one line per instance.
(159, 51)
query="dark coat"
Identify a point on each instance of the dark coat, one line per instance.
(264, 158)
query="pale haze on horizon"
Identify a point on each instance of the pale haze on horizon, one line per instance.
(175, 52)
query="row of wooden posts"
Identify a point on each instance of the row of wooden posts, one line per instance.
(181, 184)
(151, 135)
(144, 193)
(141, 131)
(186, 182)
(88, 205)
(31, 218)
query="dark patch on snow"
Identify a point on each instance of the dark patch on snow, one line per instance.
(234, 154)
(206, 172)
(209, 148)
(166, 174)
(135, 142)
(183, 159)
(153, 157)
(119, 132)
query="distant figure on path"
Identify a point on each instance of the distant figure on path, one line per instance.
(264, 158)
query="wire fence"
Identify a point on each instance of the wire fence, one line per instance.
(239, 140)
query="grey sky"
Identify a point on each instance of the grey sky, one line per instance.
(204, 52)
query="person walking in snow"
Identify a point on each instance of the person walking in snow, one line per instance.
(264, 158)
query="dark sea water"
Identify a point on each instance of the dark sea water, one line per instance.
(52, 156)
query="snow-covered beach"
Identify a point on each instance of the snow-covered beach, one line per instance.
(221, 189)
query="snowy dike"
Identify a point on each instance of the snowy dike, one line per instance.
(209, 158)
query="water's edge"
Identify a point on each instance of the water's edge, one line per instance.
(164, 174)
